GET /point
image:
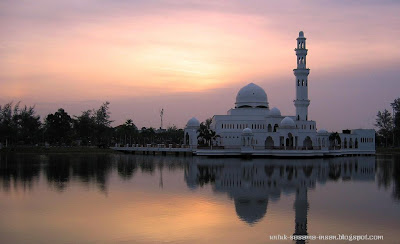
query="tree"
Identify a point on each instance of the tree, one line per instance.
(335, 140)
(29, 125)
(94, 126)
(206, 134)
(102, 115)
(58, 127)
(103, 125)
(384, 123)
(19, 125)
(147, 135)
(396, 110)
(8, 129)
(126, 131)
(396, 105)
(84, 126)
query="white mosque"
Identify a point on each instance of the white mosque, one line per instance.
(253, 128)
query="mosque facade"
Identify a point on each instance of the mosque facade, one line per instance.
(253, 128)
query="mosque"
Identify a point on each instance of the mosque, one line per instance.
(253, 128)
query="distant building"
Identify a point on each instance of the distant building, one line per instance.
(255, 129)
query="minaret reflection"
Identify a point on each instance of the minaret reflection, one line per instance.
(252, 184)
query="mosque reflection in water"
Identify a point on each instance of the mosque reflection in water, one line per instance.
(252, 184)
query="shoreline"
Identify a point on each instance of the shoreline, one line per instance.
(93, 149)
(388, 150)
(35, 150)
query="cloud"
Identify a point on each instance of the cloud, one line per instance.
(191, 57)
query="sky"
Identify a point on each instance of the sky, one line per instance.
(192, 57)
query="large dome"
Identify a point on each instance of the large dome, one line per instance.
(251, 96)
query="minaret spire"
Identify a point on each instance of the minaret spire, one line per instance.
(301, 72)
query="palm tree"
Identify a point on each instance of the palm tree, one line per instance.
(335, 140)
(206, 134)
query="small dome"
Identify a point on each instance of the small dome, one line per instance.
(275, 112)
(247, 131)
(301, 34)
(287, 122)
(322, 131)
(251, 96)
(193, 122)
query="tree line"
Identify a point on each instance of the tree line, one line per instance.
(388, 125)
(20, 125)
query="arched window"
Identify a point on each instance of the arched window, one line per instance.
(302, 82)
(298, 82)
(306, 82)
(276, 126)
(298, 117)
(307, 143)
(269, 143)
(269, 128)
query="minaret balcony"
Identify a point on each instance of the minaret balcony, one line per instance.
(301, 71)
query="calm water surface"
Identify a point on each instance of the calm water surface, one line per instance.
(115, 198)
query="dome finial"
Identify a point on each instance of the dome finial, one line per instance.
(301, 34)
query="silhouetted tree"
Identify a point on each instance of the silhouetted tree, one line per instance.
(93, 127)
(147, 135)
(384, 122)
(58, 127)
(84, 126)
(8, 129)
(335, 140)
(19, 125)
(206, 134)
(126, 132)
(396, 110)
(103, 125)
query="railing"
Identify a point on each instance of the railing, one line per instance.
(153, 145)
(211, 148)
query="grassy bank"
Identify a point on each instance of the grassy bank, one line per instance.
(57, 150)
(384, 150)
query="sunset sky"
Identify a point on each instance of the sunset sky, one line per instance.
(191, 57)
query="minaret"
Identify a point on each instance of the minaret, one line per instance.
(301, 72)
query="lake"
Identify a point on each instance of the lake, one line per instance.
(120, 198)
